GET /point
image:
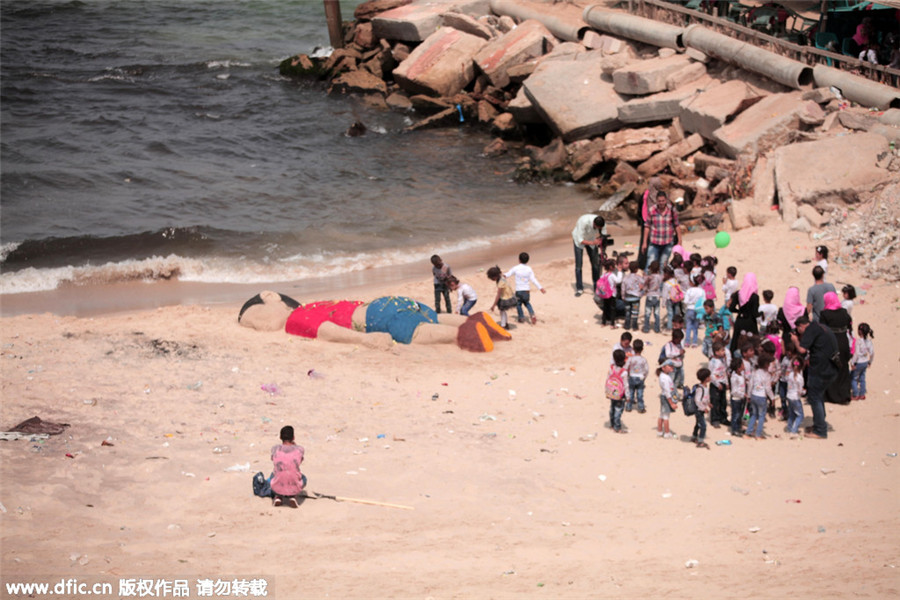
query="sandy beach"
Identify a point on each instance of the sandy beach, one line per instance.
(517, 484)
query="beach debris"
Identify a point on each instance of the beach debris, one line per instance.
(487, 417)
(238, 468)
(587, 438)
(317, 496)
(510, 572)
(37, 425)
(222, 450)
(692, 564)
(667, 494)
(313, 374)
(792, 501)
(723, 443)
(892, 454)
(826, 471)
(186, 474)
(195, 386)
(107, 442)
(271, 389)
(601, 477)
(754, 530)
(434, 397)
(69, 455)
(820, 529)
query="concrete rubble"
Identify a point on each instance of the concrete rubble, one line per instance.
(612, 112)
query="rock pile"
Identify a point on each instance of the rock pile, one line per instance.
(611, 112)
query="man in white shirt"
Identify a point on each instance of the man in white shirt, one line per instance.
(588, 235)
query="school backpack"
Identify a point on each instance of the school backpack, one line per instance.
(262, 486)
(615, 384)
(725, 315)
(604, 287)
(709, 287)
(676, 294)
(689, 403)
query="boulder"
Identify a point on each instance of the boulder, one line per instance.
(710, 109)
(357, 82)
(364, 37)
(584, 155)
(635, 144)
(822, 171)
(417, 21)
(525, 42)
(399, 102)
(442, 65)
(497, 147)
(647, 76)
(574, 99)
(662, 106)
(504, 124)
(685, 75)
(767, 123)
(659, 161)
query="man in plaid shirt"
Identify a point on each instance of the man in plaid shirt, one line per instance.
(663, 231)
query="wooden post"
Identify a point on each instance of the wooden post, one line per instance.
(335, 27)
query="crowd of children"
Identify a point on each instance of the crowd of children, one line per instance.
(756, 377)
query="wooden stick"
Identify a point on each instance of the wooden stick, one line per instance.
(316, 496)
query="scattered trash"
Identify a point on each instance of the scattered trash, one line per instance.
(826, 471)
(195, 386)
(69, 455)
(271, 388)
(380, 436)
(692, 563)
(667, 495)
(723, 443)
(588, 437)
(892, 454)
(238, 468)
(601, 477)
(510, 572)
(222, 450)
(740, 490)
(313, 374)
(106, 443)
(821, 529)
(487, 417)
(435, 397)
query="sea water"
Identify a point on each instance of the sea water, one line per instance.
(155, 141)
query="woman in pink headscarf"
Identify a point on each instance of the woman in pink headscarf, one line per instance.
(791, 310)
(837, 319)
(746, 304)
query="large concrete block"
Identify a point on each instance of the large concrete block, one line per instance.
(705, 112)
(523, 110)
(662, 106)
(635, 144)
(574, 99)
(525, 42)
(648, 76)
(765, 123)
(417, 21)
(828, 169)
(442, 65)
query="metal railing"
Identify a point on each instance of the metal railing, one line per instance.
(668, 12)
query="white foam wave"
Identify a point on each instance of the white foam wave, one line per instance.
(225, 64)
(6, 249)
(298, 267)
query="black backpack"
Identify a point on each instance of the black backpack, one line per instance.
(688, 402)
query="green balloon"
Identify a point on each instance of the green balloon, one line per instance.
(722, 239)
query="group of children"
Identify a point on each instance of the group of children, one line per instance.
(765, 370)
(517, 294)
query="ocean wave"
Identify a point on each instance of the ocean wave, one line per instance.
(298, 267)
(226, 64)
(6, 248)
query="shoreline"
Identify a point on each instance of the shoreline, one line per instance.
(134, 296)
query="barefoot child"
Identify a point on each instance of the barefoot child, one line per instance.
(667, 400)
(287, 481)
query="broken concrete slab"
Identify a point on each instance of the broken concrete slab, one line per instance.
(522, 109)
(659, 161)
(647, 76)
(826, 170)
(661, 106)
(574, 99)
(367, 10)
(584, 155)
(442, 65)
(357, 82)
(635, 144)
(709, 110)
(468, 24)
(417, 21)
(766, 123)
(685, 75)
(527, 41)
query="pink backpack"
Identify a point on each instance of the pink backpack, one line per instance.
(604, 287)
